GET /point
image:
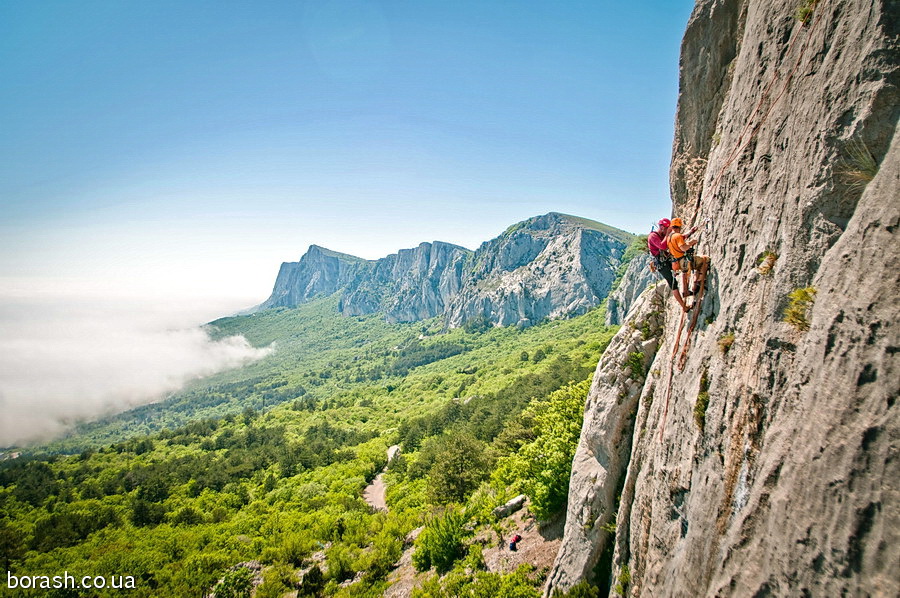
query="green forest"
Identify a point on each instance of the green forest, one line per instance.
(268, 463)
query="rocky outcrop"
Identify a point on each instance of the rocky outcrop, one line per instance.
(319, 272)
(545, 267)
(410, 285)
(605, 444)
(774, 470)
(509, 507)
(636, 278)
(549, 266)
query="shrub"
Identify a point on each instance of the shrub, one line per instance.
(725, 342)
(800, 302)
(766, 262)
(623, 580)
(805, 10)
(339, 559)
(635, 363)
(237, 583)
(582, 589)
(518, 584)
(187, 516)
(474, 560)
(441, 542)
(702, 401)
(312, 583)
(700, 409)
(859, 167)
(276, 582)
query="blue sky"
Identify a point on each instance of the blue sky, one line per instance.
(189, 147)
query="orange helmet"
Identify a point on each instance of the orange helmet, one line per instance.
(677, 222)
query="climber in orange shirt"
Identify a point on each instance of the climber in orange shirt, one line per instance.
(683, 257)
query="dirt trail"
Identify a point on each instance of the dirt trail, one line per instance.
(374, 492)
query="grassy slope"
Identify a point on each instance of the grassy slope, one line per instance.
(616, 233)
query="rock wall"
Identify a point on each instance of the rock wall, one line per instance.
(550, 266)
(319, 272)
(604, 448)
(788, 484)
(410, 285)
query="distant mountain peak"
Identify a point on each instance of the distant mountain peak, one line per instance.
(318, 250)
(553, 221)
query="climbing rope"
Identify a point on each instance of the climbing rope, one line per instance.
(741, 144)
(698, 301)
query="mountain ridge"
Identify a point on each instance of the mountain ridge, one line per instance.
(548, 266)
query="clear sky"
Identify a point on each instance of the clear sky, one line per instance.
(188, 148)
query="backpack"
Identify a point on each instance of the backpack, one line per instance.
(661, 258)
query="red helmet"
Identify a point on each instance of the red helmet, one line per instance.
(664, 223)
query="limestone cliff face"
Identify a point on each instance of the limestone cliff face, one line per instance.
(410, 285)
(603, 452)
(789, 483)
(637, 277)
(545, 267)
(319, 272)
(549, 266)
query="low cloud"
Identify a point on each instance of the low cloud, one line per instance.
(64, 359)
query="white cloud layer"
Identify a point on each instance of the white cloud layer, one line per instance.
(65, 359)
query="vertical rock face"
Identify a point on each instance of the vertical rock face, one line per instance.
(637, 277)
(788, 483)
(549, 266)
(411, 285)
(604, 447)
(319, 272)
